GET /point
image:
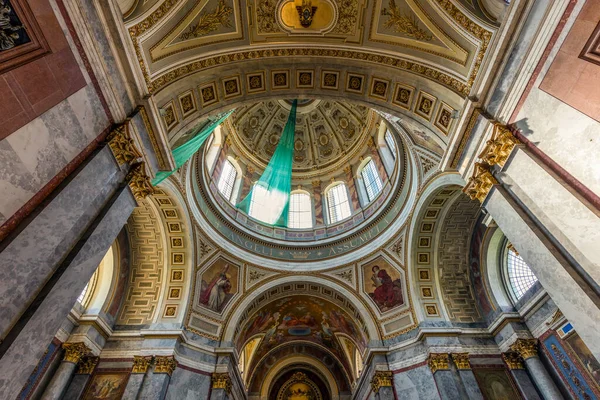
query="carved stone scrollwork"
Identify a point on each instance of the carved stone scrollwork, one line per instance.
(164, 365)
(139, 182)
(461, 360)
(140, 364)
(438, 361)
(87, 365)
(498, 148)
(221, 381)
(526, 348)
(513, 360)
(381, 379)
(122, 146)
(480, 183)
(74, 352)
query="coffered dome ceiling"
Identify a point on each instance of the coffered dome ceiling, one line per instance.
(328, 133)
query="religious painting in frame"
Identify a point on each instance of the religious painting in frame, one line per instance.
(217, 285)
(106, 386)
(21, 39)
(585, 357)
(384, 284)
(495, 383)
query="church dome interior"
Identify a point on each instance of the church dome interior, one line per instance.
(299, 199)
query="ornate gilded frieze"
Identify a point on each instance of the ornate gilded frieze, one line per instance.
(141, 364)
(221, 381)
(499, 146)
(480, 183)
(381, 379)
(122, 145)
(87, 365)
(526, 348)
(461, 360)
(513, 360)
(139, 182)
(438, 361)
(74, 352)
(164, 365)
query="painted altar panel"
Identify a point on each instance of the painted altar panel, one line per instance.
(585, 357)
(384, 284)
(495, 383)
(106, 386)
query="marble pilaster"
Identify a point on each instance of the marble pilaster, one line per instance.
(318, 201)
(74, 353)
(98, 203)
(467, 378)
(221, 386)
(136, 379)
(447, 384)
(381, 383)
(520, 376)
(527, 349)
(156, 382)
(352, 190)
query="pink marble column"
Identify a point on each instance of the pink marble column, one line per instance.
(376, 157)
(247, 181)
(352, 188)
(318, 197)
(222, 156)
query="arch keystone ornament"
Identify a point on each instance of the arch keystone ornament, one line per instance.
(438, 361)
(526, 348)
(381, 379)
(221, 381)
(480, 183)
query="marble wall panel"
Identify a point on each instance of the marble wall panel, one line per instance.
(416, 384)
(188, 384)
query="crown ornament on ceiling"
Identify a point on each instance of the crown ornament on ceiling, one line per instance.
(306, 12)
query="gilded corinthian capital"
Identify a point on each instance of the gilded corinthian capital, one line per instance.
(87, 365)
(381, 379)
(498, 148)
(74, 352)
(513, 360)
(221, 381)
(438, 361)
(121, 144)
(139, 182)
(140, 364)
(164, 365)
(526, 348)
(480, 183)
(461, 360)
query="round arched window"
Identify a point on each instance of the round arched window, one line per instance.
(520, 277)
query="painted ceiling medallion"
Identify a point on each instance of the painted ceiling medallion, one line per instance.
(307, 16)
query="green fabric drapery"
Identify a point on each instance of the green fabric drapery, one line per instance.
(184, 152)
(272, 191)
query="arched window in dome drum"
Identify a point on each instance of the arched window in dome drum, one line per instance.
(520, 277)
(389, 140)
(259, 208)
(300, 214)
(227, 179)
(338, 206)
(371, 179)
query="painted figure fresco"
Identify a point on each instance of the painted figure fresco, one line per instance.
(106, 386)
(218, 285)
(495, 384)
(384, 284)
(585, 356)
(12, 32)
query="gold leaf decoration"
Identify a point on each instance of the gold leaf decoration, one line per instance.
(409, 25)
(210, 22)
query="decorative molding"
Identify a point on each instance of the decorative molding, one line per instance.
(591, 50)
(513, 360)
(526, 348)
(164, 365)
(438, 361)
(74, 352)
(121, 144)
(221, 381)
(139, 182)
(499, 146)
(461, 360)
(209, 22)
(381, 379)
(141, 364)
(468, 132)
(87, 365)
(404, 23)
(151, 134)
(480, 183)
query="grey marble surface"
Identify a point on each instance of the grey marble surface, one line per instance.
(24, 353)
(76, 387)
(59, 382)
(447, 385)
(154, 386)
(470, 384)
(542, 379)
(524, 384)
(188, 385)
(134, 384)
(416, 384)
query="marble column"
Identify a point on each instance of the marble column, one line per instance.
(136, 379)
(351, 183)
(221, 159)
(467, 378)
(74, 353)
(514, 362)
(318, 200)
(246, 182)
(85, 217)
(156, 383)
(447, 384)
(527, 349)
(85, 369)
(376, 157)
(381, 383)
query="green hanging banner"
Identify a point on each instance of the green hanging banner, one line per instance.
(184, 152)
(269, 199)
